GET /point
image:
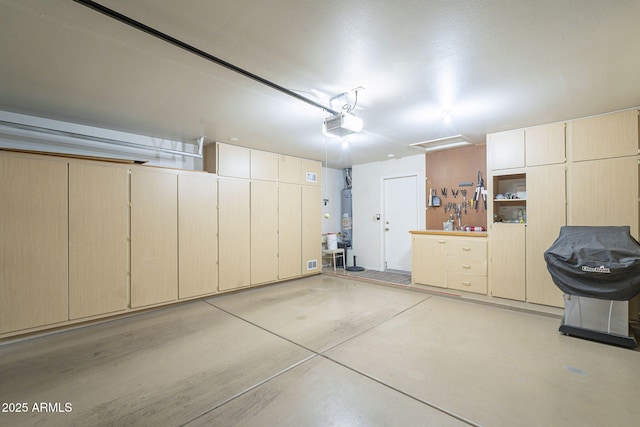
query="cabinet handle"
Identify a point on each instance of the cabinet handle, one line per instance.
(466, 249)
(466, 283)
(467, 266)
(442, 241)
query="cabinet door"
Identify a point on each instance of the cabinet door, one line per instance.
(604, 192)
(154, 237)
(264, 165)
(311, 172)
(264, 232)
(289, 169)
(98, 239)
(33, 243)
(507, 261)
(289, 231)
(428, 256)
(311, 230)
(197, 234)
(234, 233)
(233, 161)
(505, 150)
(546, 213)
(606, 136)
(545, 145)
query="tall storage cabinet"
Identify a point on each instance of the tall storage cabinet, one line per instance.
(98, 239)
(197, 234)
(311, 229)
(289, 231)
(264, 232)
(33, 242)
(234, 233)
(154, 237)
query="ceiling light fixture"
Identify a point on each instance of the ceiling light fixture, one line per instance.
(443, 143)
(446, 116)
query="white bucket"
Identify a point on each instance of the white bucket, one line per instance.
(332, 241)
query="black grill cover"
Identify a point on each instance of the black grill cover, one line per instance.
(595, 262)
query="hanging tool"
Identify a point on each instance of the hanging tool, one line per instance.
(444, 192)
(464, 200)
(480, 192)
(455, 193)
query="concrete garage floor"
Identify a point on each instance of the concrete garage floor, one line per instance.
(321, 351)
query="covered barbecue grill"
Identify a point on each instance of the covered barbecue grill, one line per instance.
(598, 269)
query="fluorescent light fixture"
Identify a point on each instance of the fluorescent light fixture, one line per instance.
(443, 143)
(341, 124)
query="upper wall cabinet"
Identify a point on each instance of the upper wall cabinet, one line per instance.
(505, 150)
(606, 136)
(311, 172)
(545, 145)
(233, 161)
(264, 165)
(289, 169)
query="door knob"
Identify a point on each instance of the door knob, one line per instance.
(386, 228)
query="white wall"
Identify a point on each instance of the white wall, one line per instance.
(332, 183)
(367, 202)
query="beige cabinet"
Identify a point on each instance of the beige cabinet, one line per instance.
(545, 145)
(197, 234)
(428, 260)
(505, 150)
(264, 165)
(234, 233)
(605, 136)
(33, 242)
(264, 232)
(604, 192)
(507, 260)
(289, 169)
(311, 172)
(233, 161)
(289, 231)
(98, 239)
(154, 236)
(546, 207)
(466, 264)
(311, 230)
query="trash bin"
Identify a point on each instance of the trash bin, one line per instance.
(598, 269)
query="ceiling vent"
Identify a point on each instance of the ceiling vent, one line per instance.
(443, 143)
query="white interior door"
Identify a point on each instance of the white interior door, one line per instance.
(400, 216)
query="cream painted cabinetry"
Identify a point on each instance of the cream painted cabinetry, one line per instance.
(605, 136)
(428, 256)
(197, 234)
(234, 233)
(311, 229)
(449, 261)
(233, 161)
(154, 236)
(467, 265)
(98, 239)
(546, 207)
(507, 261)
(604, 192)
(505, 150)
(289, 231)
(264, 231)
(289, 169)
(545, 145)
(33, 242)
(264, 165)
(311, 172)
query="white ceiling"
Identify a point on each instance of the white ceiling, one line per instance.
(495, 64)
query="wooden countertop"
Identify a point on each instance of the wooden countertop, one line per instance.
(450, 233)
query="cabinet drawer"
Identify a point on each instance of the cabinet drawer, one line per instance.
(467, 265)
(467, 282)
(467, 247)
